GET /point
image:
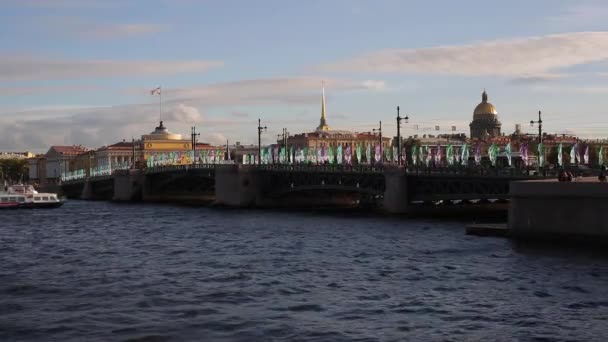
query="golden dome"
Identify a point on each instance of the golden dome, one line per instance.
(484, 109)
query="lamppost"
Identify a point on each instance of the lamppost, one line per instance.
(260, 129)
(193, 136)
(379, 130)
(399, 118)
(540, 127)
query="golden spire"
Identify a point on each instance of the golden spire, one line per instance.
(323, 123)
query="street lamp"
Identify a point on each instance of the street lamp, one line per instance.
(399, 118)
(540, 127)
(260, 129)
(379, 130)
(193, 136)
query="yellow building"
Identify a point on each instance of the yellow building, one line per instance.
(169, 147)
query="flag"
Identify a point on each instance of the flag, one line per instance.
(541, 154)
(339, 155)
(477, 154)
(368, 153)
(358, 152)
(438, 155)
(155, 91)
(450, 154)
(523, 150)
(395, 154)
(600, 156)
(377, 155)
(573, 154)
(509, 153)
(586, 155)
(464, 154)
(387, 154)
(493, 153)
(348, 154)
(429, 154)
(414, 155)
(560, 156)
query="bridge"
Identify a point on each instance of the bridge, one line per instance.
(395, 189)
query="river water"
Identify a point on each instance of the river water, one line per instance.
(97, 271)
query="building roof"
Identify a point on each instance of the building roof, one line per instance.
(68, 150)
(485, 109)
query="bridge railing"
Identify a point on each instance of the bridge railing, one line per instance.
(320, 168)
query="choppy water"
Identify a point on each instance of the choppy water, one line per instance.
(100, 271)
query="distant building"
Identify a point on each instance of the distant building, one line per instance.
(323, 136)
(485, 122)
(16, 155)
(56, 162)
(161, 141)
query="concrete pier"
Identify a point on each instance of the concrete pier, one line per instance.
(548, 209)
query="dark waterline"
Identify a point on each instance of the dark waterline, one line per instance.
(100, 271)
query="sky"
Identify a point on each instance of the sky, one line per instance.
(81, 71)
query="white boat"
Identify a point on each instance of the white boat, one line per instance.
(25, 196)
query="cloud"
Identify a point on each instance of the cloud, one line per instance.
(87, 29)
(9, 91)
(182, 108)
(513, 58)
(24, 68)
(185, 114)
(216, 139)
(238, 114)
(269, 91)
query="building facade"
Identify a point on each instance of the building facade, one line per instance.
(325, 137)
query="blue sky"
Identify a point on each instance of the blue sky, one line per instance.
(80, 71)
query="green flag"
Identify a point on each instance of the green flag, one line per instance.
(508, 153)
(450, 154)
(358, 152)
(339, 154)
(541, 155)
(560, 156)
(493, 153)
(414, 155)
(600, 156)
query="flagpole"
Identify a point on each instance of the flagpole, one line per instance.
(160, 103)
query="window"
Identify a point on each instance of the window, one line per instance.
(21, 199)
(45, 198)
(4, 199)
(37, 198)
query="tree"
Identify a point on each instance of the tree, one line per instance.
(14, 170)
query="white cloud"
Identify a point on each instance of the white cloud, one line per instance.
(522, 57)
(269, 91)
(20, 68)
(186, 114)
(97, 126)
(216, 139)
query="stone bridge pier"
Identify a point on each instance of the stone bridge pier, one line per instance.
(128, 185)
(237, 186)
(395, 194)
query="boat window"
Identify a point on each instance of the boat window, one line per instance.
(4, 199)
(13, 199)
(21, 199)
(36, 198)
(45, 198)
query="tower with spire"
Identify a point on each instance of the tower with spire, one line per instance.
(323, 123)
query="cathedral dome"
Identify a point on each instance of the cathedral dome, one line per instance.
(484, 110)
